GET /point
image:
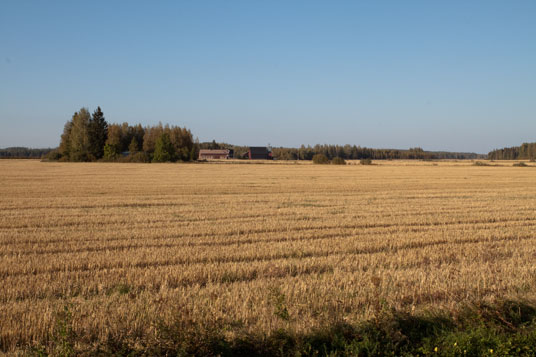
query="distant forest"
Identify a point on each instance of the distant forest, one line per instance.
(89, 137)
(23, 153)
(527, 151)
(347, 152)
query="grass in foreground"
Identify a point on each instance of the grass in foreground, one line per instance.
(504, 329)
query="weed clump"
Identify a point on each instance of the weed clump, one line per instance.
(365, 162)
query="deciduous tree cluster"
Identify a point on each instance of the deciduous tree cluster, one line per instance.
(88, 137)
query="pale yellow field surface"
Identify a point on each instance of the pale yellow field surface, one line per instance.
(125, 247)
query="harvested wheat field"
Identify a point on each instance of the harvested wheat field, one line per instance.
(125, 252)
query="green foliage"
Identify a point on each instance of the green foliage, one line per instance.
(481, 163)
(365, 162)
(139, 156)
(194, 152)
(89, 138)
(64, 336)
(505, 329)
(164, 150)
(79, 137)
(133, 147)
(353, 152)
(279, 303)
(111, 152)
(53, 155)
(320, 159)
(65, 142)
(338, 161)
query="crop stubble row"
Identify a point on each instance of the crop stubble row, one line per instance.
(126, 244)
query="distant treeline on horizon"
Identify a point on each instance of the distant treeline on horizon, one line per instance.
(348, 152)
(19, 152)
(88, 137)
(526, 151)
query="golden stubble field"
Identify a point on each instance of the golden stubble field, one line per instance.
(126, 247)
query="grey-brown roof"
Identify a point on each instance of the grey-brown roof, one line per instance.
(213, 152)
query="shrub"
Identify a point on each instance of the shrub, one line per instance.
(480, 163)
(338, 161)
(320, 159)
(111, 152)
(138, 156)
(54, 155)
(520, 164)
(365, 162)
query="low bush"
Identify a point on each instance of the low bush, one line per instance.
(365, 162)
(54, 155)
(320, 159)
(338, 161)
(520, 164)
(139, 156)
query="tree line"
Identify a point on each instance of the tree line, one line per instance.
(527, 151)
(23, 153)
(347, 152)
(88, 137)
(353, 152)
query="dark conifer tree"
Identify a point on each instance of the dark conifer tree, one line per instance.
(134, 146)
(98, 133)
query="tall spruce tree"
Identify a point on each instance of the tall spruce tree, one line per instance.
(97, 133)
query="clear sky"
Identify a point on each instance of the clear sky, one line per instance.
(443, 75)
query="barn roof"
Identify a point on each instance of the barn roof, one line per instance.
(259, 150)
(213, 152)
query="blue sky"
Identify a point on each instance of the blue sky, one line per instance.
(443, 75)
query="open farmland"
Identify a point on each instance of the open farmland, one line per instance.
(119, 250)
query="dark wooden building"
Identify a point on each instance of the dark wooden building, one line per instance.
(259, 153)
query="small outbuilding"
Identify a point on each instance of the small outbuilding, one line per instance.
(259, 153)
(206, 154)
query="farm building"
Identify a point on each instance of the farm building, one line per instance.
(259, 153)
(205, 154)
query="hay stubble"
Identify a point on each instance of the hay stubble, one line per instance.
(128, 245)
